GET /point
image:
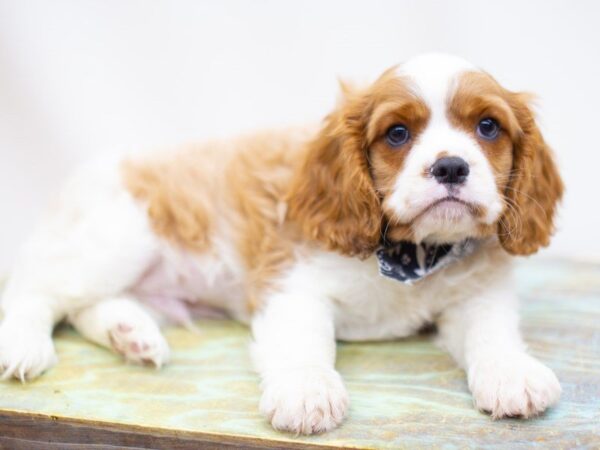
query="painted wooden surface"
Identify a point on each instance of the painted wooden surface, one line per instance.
(404, 394)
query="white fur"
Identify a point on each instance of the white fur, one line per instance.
(96, 256)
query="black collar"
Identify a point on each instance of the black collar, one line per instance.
(409, 262)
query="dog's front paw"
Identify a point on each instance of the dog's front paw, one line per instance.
(514, 385)
(24, 353)
(304, 401)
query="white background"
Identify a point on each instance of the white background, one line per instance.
(80, 79)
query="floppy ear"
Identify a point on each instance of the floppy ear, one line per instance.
(534, 188)
(332, 197)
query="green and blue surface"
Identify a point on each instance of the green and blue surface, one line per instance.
(405, 393)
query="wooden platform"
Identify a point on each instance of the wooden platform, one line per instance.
(404, 394)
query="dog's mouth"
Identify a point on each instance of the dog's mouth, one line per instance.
(450, 207)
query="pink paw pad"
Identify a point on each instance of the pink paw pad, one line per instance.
(139, 343)
(136, 347)
(124, 328)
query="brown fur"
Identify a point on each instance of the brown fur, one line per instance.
(404, 108)
(337, 196)
(332, 197)
(534, 189)
(257, 182)
(192, 194)
(177, 190)
(523, 166)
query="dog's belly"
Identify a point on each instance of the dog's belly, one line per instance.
(183, 285)
(367, 306)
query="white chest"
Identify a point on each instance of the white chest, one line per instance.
(366, 305)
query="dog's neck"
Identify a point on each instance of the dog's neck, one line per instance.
(409, 263)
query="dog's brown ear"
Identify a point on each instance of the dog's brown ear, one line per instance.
(332, 197)
(534, 188)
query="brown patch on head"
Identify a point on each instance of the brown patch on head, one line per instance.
(478, 96)
(350, 169)
(397, 105)
(525, 174)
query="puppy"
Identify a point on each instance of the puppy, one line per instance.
(405, 208)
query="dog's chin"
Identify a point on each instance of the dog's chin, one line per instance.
(446, 220)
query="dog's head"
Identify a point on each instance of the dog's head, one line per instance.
(434, 151)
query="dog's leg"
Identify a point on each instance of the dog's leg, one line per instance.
(482, 334)
(123, 325)
(94, 246)
(294, 352)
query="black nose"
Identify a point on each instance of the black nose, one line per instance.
(450, 170)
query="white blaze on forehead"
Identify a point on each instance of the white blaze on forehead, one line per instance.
(432, 75)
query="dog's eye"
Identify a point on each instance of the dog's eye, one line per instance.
(488, 129)
(397, 135)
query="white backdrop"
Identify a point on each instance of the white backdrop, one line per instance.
(82, 78)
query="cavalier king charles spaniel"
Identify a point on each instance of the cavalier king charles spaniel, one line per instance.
(403, 209)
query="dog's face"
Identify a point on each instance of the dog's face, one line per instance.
(435, 150)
